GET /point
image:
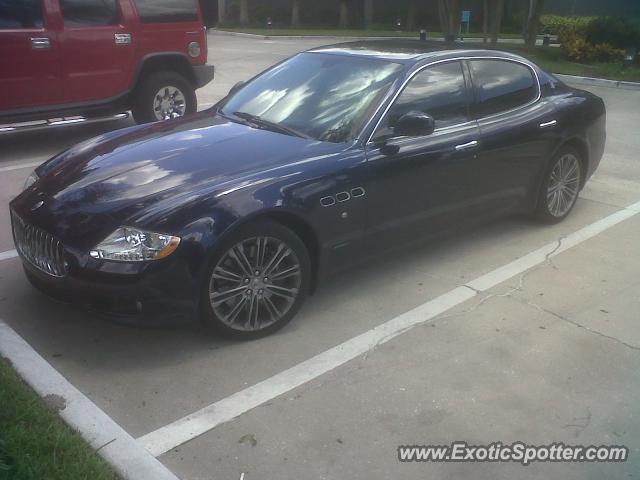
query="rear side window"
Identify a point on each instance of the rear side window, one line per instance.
(439, 91)
(20, 14)
(89, 13)
(167, 11)
(502, 85)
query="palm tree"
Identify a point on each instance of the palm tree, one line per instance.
(531, 21)
(344, 13)
(244, 12)
(295, 13)
(449, 12)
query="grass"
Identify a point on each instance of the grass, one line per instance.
(35, 444)
(551, 60)
(343, 32)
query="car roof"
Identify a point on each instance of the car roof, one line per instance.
(411, 52)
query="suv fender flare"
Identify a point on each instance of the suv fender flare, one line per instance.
(163, 61)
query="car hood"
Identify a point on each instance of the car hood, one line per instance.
(112, 179)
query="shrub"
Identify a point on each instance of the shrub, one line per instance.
(555, 23)
(615, 31)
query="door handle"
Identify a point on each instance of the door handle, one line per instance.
(467, 146)
(40, 43)
(550, 124)
(122, 38)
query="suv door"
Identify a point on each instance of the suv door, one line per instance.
(96, 48)
(29, 55)
(419, 183)
(517, 132)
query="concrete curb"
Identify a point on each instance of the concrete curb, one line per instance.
(598, 82)
(128, 458)
(298, 37)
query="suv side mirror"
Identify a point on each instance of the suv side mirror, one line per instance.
(414, 124)
(236, 87)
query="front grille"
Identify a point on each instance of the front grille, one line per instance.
(39, 248)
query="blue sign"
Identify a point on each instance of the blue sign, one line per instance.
(466, 16)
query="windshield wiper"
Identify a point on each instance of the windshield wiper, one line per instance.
(274, 127)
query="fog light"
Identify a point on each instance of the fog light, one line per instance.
(194, 49)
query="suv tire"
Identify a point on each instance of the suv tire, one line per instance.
(163, 90)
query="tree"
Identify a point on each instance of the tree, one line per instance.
(295, 13)
(449, 12)
(244, 12)
(411, 16)
(531, 22)
(344, 13)
(492, 11)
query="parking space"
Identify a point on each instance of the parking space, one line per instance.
(546, 357)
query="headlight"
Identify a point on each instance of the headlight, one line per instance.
(194, 49)
(31, 179)
(133, 245)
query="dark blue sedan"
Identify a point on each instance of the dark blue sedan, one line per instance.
(234, 214)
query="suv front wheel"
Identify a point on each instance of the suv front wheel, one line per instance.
(162, 96)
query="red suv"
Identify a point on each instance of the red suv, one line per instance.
(69, 61)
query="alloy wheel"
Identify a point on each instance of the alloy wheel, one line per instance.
(169, 102)
(255, 283)
(564, 185)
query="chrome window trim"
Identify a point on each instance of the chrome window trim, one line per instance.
(456, 59)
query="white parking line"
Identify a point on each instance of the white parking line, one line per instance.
(8, 254)
(20, 166)
(116, 446)
(170, 436)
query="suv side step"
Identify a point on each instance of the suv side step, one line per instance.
(58, 122)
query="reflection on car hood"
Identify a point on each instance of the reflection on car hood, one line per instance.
(123, 173)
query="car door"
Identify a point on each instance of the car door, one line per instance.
(29, 56)
(517, 131)
(421, 184)
(97, 50)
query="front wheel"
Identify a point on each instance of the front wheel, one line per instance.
(162, 96)
(560, 187)
(256, 281)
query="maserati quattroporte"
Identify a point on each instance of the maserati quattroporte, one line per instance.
(234, 213)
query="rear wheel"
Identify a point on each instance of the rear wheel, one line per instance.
(256, 281)
(162, 96)
(561, 186)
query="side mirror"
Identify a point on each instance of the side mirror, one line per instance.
(236, 87)
(414, 124)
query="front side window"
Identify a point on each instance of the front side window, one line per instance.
(167, 11)
(17, 14)
(324, 96)
(438, 91)
(89, 13)
(502, 85)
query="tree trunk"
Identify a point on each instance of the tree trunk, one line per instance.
(411, 16)
(531, 21)
(244, 12)
(368, 13)
(496, 20)
(344, 14)
(295, 13)
(485, 20)
(449, 12)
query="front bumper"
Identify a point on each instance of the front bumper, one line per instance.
(161, 296)
(203, 74)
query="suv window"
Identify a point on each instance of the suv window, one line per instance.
(20, 14)
(439, 91)
(89, 13)
(167, 11)
(502, 85)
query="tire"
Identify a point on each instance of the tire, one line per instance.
(560, 186)
(148, 92)
(245, 304)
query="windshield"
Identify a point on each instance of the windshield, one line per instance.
(323, 96)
